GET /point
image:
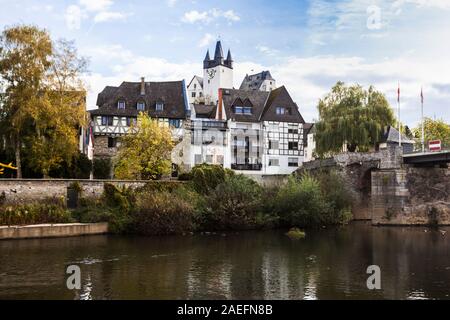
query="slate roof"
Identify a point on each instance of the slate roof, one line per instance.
(257, 99)
(254, 81)
(199, 79)
(263, 105)
(172, 94)
(280, 98)
(391, 135)
(203, 111)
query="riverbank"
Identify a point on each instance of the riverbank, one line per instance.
(52, 230)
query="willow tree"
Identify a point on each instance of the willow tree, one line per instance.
(25, 57)
(145, 153)
(353, 117)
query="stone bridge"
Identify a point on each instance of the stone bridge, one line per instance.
(388, 191)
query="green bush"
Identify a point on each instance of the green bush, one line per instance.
(46, 211)
(206, 177)
(102, 168)
(163, 213)
(233, 204)
(338, 196)
(300, 202)
(306, 202)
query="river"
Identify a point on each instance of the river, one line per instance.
(329, 263)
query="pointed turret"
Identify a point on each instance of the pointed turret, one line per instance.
(207, 60)
(229, 60)
(218, 55)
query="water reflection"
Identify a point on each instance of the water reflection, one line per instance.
(328, 264)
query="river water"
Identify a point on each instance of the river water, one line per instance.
(328, 264)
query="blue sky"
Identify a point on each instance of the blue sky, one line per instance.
(307, 45)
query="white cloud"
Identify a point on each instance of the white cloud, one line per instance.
(195, 16)
(73, 17)
(207, 17)
(266, 50)
(96, 5)
(206, 40)
(106, 16)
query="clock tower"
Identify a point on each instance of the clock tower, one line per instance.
(217, 74)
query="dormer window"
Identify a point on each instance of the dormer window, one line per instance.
(282, 111)
(243, 110)
(140, 106)
(121, 104)
(159, 106)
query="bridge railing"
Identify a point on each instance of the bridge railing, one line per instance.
(418, 148)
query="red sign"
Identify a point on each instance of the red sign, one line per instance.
(434, 145)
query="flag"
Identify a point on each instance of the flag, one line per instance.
(421, 94)
(398, 93)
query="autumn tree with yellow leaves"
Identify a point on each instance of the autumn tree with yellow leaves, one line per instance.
(145, 153)
(43, 104)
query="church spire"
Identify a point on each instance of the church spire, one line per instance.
(218, 55)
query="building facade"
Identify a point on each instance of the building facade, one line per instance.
(256, 130)
(118, 108)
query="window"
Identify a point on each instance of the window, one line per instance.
(198, 159)
(293, 162)
(159, 106)
(140, 106)
(243, 110)
(110, 121)
(193, 94)
(209, 159)
(176, 123)
(200, 94)
(293, 145)
(274, 162)
(273, 144)
(131, 121)
(104, 120)
(121, 104)
(293, 129)
(112, 142)
(282, 111)
(195, 86)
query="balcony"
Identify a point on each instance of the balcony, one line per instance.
(209, 124)
(247, 167)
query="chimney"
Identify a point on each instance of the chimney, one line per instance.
(142, 86)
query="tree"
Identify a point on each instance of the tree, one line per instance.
(44, 100)
(62, 111)
(25, 56)
(433, 130)
(351, 116)
(145, 152)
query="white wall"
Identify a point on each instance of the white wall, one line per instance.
(223, 78)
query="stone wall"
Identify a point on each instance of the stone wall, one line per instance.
(411, 196)
(52, 230)
(24, 190)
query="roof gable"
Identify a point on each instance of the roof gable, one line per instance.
(255, 99)
(280, 97)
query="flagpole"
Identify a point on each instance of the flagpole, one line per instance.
(423, 130)
(399, 121)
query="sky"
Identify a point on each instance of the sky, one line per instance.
(307, 45)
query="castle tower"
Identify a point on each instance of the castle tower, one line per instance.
(217, 73)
